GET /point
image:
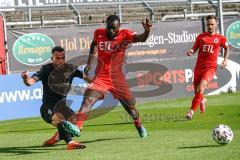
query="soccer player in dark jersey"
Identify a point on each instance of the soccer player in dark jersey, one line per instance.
(56, 79)
(208, 45)
(111, 43)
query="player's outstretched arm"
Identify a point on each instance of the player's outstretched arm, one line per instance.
(91, 55)
(147, 28)
(226, 54)
(28, 81)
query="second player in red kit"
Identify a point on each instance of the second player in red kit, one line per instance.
(109, 75)
(208, 45)
(111, 43)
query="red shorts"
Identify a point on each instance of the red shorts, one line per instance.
(203, 74)
(118, 87)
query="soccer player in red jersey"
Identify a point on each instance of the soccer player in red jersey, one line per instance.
(208, 45)
(111, 43)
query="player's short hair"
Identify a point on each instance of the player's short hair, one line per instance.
(113, 18)
(211, 17)
(57, 48)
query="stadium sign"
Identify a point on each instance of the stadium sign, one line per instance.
(33, 49)
(167, 40)
(233, 34)
(56, 2)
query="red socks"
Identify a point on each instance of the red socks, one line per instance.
(81, 118)
(137, 123)
(196, 101)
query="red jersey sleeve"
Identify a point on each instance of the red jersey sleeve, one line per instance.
(129, 35)
(224, 42)
(197, 42)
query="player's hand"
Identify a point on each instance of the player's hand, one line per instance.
(146, 24)
(190, 52)
(87, 79)
(87, 69)
(224, 64)
(24, 75)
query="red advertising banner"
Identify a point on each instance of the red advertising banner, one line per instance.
(2, 48)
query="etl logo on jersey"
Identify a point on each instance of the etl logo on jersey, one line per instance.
(208, 48)
(107, 46)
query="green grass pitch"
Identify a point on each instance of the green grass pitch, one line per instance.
(113, 136)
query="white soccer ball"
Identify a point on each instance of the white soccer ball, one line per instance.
(232, 89)
(222, 134)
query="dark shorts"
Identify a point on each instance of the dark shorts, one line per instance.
(48, 110)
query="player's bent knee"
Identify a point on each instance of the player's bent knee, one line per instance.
(85, 109)
(87, 104)
(55, 122)
(203, 86)
(72, 119)
(57, 118)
